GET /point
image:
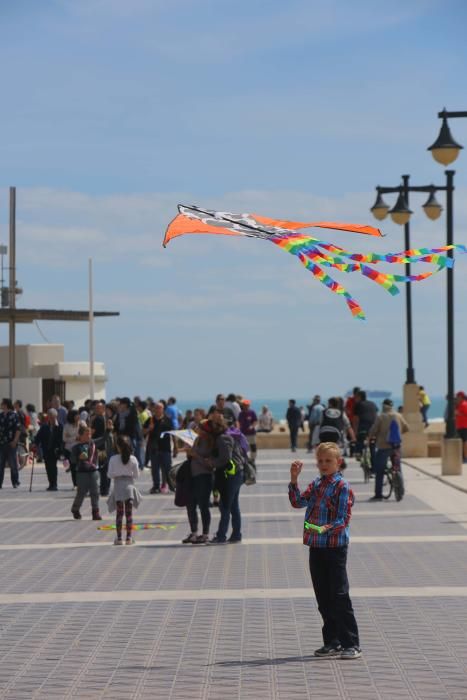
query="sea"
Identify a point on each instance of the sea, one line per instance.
(278, 407)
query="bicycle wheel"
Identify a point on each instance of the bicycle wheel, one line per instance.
(387, 483)
(366, 465)
(398, 484)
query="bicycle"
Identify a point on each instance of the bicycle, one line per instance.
(393, 480)
(365, 463)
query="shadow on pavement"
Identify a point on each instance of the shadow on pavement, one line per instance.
(268, 662)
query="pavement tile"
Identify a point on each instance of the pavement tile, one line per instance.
(414, 648)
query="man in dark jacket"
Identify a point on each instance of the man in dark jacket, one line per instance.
(159, 448)
(365, 413)
(49, 438)
(98, 436)
(294, 421)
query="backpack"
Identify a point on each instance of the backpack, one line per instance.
(239, 459)
(394, 434)
(332, 421)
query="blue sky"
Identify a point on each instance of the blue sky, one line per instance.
(115, 111)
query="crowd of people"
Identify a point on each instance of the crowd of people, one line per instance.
(87, 438)
(100, 442)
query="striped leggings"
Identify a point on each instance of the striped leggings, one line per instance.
(127, 508)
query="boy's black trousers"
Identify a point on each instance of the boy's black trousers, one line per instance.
(329, 576)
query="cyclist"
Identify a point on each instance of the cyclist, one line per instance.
(364, 415)
(386, 431)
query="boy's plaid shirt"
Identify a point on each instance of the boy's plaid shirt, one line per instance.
(327, 500)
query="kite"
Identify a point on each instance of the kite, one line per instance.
(140, 526)
(316, 255)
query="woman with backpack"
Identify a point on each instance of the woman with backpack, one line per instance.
(229, 457)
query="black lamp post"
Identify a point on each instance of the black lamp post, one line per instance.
(445, 150)
(401, 214)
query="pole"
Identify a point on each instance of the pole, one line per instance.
(450, 423)
(410, 375)
(91, 335)
(12, 295)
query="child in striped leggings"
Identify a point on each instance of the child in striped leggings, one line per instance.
(123, 470)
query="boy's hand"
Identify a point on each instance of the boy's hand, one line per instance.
(295, 469)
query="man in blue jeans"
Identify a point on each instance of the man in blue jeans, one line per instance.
(10, 431)
(380, 433)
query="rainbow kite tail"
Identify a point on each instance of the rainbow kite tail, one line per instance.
(355, 308)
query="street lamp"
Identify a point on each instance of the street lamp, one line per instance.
(380, 208)
(432, 207)
(400, 214)
(445, 150)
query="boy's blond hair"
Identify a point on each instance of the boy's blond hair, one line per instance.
(329, 447)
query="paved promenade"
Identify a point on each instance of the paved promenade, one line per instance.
(80, 618)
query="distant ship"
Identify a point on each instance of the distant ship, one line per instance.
(374, 393)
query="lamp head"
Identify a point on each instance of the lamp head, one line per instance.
(380, 208)
(445, 150)
(400, 213)
(432, 207)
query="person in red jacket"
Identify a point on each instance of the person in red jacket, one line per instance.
(461, 421)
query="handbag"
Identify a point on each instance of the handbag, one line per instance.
(249, 473)
(183, 484)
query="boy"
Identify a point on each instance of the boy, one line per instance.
(328, 501)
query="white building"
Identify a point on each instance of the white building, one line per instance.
(41, 371)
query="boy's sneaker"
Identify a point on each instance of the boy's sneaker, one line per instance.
(216, 540)
(351, 653)
(129, 540)
(118, 540)
(328, 650)
(76, 514)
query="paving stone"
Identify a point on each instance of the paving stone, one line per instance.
(223, 649)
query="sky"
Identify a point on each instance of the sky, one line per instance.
(113, 112)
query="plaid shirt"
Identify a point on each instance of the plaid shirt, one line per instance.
(328, 500)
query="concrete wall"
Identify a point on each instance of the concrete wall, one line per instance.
(43, 354)
(73, 370)
(27, 356)
(27, 389)
(47, 362)
(77, 389)
(21, 361)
